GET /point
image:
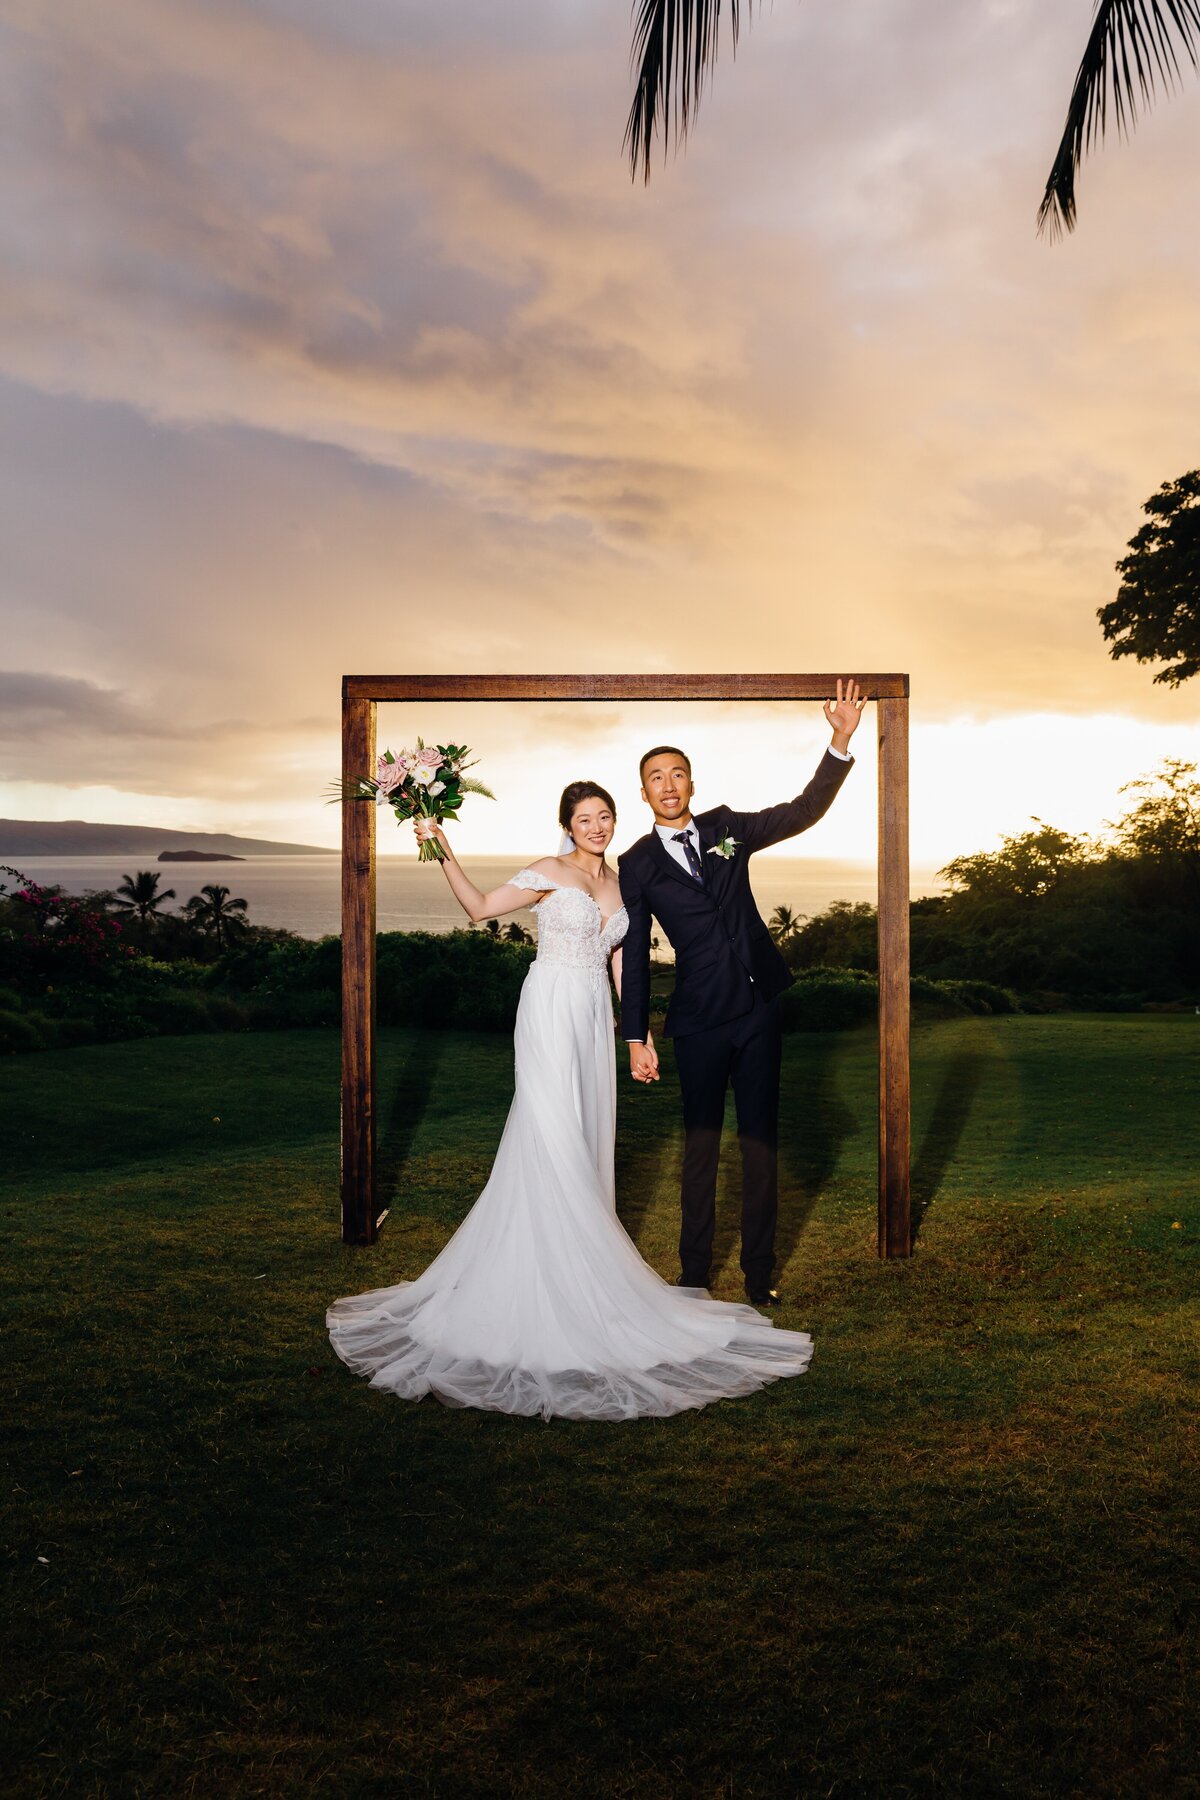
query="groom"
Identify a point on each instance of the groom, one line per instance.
(691, 872)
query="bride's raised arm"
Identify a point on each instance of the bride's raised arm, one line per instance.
(475, 903)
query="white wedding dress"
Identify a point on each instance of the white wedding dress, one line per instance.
(540, 1303)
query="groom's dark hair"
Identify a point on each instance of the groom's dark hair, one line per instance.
(664, 750)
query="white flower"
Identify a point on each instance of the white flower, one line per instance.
(725, 848)
(437, 787)
(422, 774)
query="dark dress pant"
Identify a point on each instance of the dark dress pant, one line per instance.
(747, 1053)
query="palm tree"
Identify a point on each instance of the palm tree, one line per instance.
(1131, 51)
(517, 934)
(139, 893)
(212, 910)
(784, 924)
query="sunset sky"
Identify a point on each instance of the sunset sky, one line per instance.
(336, 338)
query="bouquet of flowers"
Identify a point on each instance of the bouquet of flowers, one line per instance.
(427, 782)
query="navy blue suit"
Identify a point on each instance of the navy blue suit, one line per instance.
(724, 1012)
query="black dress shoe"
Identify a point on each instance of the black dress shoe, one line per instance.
(682, 1281)
(764, 1296)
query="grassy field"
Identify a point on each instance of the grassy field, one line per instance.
(958, 1557)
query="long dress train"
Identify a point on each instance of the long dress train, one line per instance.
(540, 1303)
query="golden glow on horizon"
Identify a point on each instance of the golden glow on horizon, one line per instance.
(971, 782)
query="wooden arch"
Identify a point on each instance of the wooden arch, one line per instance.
(360, 696)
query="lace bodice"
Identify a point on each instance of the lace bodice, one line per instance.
(569, 924)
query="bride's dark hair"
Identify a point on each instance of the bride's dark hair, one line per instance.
(575, 793)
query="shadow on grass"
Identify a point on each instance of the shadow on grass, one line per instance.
(952, 1105)
(411, 1098)
(814, 1123)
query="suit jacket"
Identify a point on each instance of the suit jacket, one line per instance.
(716, 930)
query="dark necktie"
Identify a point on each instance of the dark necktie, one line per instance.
(692, 854)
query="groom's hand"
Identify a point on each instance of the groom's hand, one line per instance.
(844, 713)
(643, 1062)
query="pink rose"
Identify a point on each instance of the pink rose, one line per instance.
(390, 776)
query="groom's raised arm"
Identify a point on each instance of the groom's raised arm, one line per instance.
(757, 830)
(635, 960)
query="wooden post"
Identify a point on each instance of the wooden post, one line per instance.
(895, 1229)
(358, 978)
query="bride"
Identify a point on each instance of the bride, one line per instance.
(539, 1303)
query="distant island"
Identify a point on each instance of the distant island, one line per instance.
(198, 856)
(81, 837)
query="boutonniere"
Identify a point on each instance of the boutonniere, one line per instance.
(725, 848)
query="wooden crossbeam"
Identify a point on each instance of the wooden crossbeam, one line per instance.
(616, 687)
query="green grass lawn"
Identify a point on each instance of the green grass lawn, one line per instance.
(958, 1557)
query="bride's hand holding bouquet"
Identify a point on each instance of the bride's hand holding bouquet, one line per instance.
(427, 829)
(426, 783)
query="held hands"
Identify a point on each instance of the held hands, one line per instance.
(844, 713)
(643, 1062)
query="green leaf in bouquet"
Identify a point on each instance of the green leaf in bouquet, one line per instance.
(470, 786)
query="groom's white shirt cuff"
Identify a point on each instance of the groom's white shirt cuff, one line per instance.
(842, 755)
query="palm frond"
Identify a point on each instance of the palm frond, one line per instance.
(468, 785)
(1131, 51)
(674, 49)
(361, 788)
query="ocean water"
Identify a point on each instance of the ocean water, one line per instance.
(303, 893)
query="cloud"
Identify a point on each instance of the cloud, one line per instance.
(311, 238)
(77, 733)
(339, 339)
(36, 706)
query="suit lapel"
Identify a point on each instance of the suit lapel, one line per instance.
(710, 833)
(712, 830)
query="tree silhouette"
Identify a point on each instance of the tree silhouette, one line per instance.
(1027, 866)
(1164, 824)
(140, 894)
(1131, 51)
(1156, 614)
(212, 910)
(784, 924)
